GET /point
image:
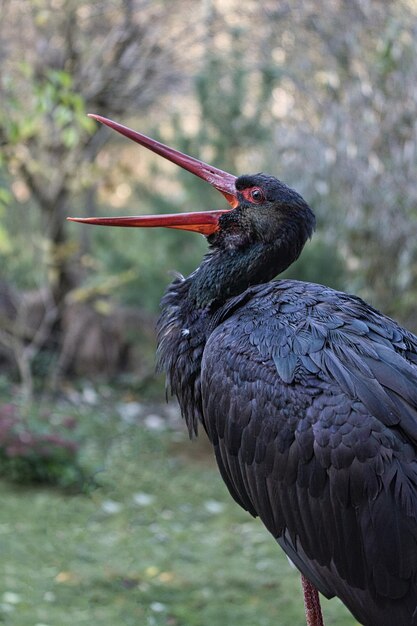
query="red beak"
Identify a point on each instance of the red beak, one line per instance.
(205, 222)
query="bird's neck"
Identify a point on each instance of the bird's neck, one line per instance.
(228, 272)
(192, 305)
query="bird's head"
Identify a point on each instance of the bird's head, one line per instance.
(266, 211)
(267, 219)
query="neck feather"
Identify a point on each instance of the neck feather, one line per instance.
(225, 273)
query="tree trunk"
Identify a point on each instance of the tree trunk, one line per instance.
(62, 279)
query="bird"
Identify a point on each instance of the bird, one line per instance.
(308, 395)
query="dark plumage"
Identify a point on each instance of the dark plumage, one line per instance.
(308, 395)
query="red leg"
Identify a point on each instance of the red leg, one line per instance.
(311, 603)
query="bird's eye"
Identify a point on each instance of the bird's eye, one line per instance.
(256, 195)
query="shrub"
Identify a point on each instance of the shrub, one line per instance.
(42, 450)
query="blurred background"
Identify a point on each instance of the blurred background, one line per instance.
(109, 515)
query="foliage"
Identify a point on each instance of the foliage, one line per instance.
(151, 258)
(51, 75)
(344, 117)
(53, 95)
(47, 85)
(321, 263)
(39, 449)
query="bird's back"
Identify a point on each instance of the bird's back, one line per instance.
(309, 397)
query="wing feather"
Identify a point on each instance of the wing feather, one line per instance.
(313, 415)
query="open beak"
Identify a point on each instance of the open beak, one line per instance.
(205, 222)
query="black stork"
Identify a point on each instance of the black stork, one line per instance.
(308, 395)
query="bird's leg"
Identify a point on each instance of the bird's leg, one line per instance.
(312, 606)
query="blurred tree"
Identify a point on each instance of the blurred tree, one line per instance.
(61, 58)
(344, 119)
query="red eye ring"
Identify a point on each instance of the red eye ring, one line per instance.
(256, 195)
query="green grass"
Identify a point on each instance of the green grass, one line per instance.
(159, 543)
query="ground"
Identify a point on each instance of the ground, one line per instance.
(158, 542)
